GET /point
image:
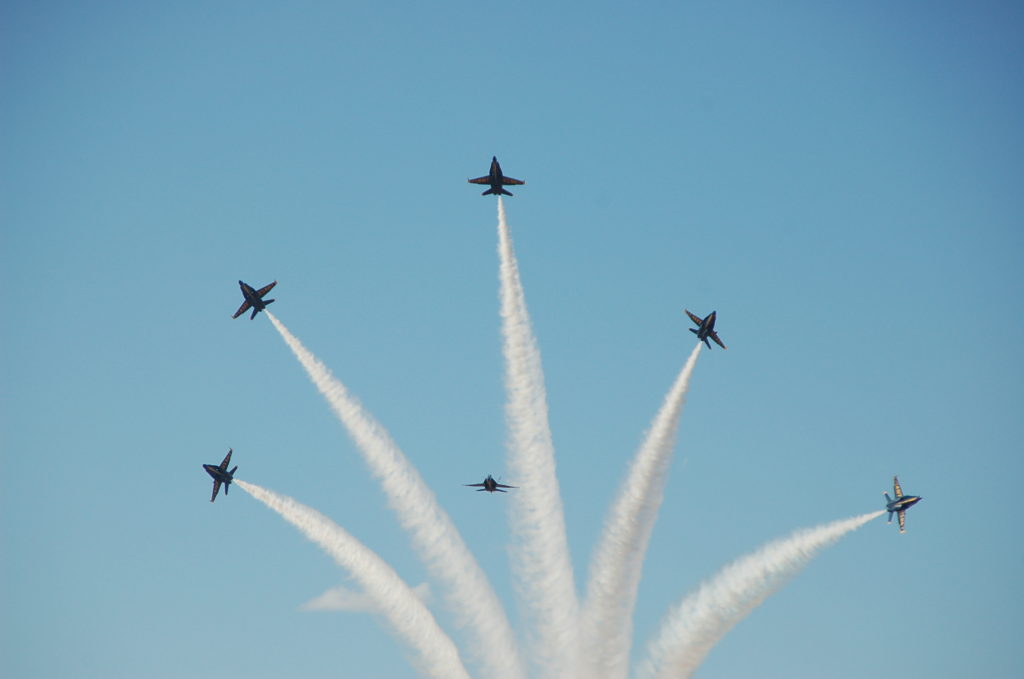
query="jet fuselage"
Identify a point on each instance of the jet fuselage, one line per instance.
(219, 474)
(705, 329)
(496, 178)
(904, 503)
(251, 297)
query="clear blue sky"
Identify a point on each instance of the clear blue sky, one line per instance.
(842, 182)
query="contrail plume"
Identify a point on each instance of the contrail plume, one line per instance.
(618, 560)
(437, 540)
(697, 623)
(410, 620)
(541, 555)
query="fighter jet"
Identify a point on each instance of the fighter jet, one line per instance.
(496, 179)
(254, 299)
(901, 504)
(705, 328)
(490, 485)
(221, 475)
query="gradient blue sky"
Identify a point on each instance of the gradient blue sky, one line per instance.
(842, 182)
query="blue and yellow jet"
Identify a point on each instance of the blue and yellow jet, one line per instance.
(496, 179)
(221, 475)
(254, 299)
(490, 485)
(901, 504)
(705, 327)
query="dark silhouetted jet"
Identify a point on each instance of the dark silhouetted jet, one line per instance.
(901, 504)
(496, 179)
(490, 485)
(221, 475)
(705, 328)
(254, 299)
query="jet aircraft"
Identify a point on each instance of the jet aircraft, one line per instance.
(705, 328)
(254, 299)
(496, 179)
(490, 485)
(221, 475)
(901, 504)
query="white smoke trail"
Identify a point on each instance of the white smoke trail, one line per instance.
(541, 555)
(407, 616)
(466, 588)
(618, 560)
(697, 623)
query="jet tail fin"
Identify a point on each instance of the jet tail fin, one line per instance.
(268, 301)
(232, 472)
(488, 192)
(507, 193)
(693, 330)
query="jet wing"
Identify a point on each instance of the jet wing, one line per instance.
(227, 461)
(216, 489)
(242, 309)
(509, 181)
(480, 180)
(902, 515)
(475, 485)
(714, 336)
(265, 289)
(694, 317)
(502, 485)
(896, 488)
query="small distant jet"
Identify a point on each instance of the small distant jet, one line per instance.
(496, 179)
(901, 504)
(705, 328)
(490, 485)
(221, 475)
(254, 299)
